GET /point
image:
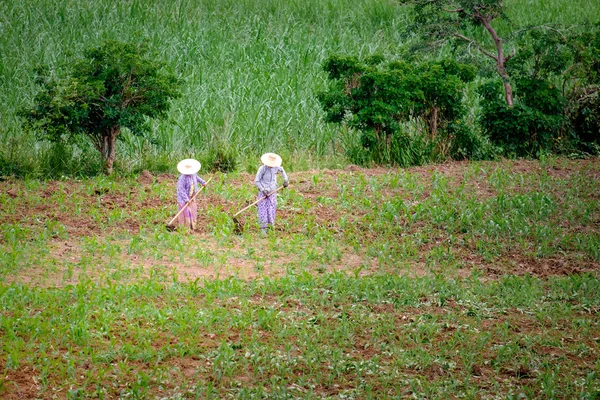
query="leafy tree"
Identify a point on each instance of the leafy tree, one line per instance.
(545, 53)
(114, 86)
(528, 127)
(379, 98)
(370, 99)
(442, 84)
(583, 109)
(557, 73)
(441, 20)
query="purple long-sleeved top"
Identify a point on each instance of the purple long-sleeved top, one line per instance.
(266, 178)
(184, 186)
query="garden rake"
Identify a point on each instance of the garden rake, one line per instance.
(239, 227)
(170, 225)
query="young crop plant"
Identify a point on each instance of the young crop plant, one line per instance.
(114, 86)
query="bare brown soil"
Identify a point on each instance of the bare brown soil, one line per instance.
(83, 213)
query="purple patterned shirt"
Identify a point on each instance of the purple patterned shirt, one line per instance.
(266, 178)
(184, 186)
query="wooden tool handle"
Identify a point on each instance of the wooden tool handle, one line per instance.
(188, 202)
(257, 201)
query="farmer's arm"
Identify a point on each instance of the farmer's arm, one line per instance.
(183, 191)
(258, 179)
(286, 181)
(200, 180)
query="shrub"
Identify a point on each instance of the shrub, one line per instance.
(11, 168)
(549, 58)
(583, 109)
(116, 85)
(528, 128)
(221, 157)
(466, 144)
(584, 114)
(380, 100)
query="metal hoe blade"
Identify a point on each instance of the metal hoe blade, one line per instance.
(238, 227)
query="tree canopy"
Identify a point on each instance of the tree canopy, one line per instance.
(441, 20)
(378, 98)
(114, 86)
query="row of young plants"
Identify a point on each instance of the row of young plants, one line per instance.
(388, 221)
(374, 285)
(303, 336)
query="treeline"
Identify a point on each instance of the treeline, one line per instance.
(260, 76)
(413, 111)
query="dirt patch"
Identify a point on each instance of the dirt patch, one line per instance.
(517, 264)
(67, 212)
(145, 178)
(20, 383)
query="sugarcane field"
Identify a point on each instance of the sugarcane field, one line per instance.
(308, 199)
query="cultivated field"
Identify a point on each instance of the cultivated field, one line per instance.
(474, 280)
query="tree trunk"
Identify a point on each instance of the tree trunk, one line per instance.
(377, 130)
(109, 141)
(388, 142)
(500, 59)
(433, 118)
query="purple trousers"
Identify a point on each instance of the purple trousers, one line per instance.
(266, 210)
(189, 215)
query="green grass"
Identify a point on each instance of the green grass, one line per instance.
(476, 280)
(251, 69)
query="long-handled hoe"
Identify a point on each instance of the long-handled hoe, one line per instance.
(239, 227)
(170, 225)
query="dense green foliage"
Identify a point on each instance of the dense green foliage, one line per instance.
(536, 68)
(439, 21)
(114, 86)
(556, 94)
(251, 71)
(584, 98)
(380, 99)
(530, 126)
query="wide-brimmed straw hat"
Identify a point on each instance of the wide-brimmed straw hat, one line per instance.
(189, 166)
(271, 160)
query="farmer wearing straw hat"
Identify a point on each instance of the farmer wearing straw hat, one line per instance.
(266, 182)
(187, 185)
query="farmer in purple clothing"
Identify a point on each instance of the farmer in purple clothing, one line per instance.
(266, 182)
(187, 185)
